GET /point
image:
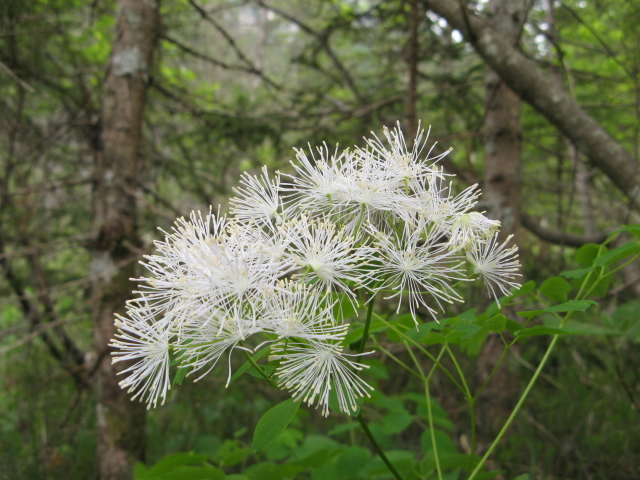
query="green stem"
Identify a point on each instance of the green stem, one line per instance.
(428, 398)
(493, 372)
(377, 448)
(259, 369)
(432, 431)
(425, 352)
(398, 361)
(471, 400)
(515, 411)
(365, 333)
(363, 424)
(362, 209)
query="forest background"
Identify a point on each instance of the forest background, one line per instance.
(116, 117)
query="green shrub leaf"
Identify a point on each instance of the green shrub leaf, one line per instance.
(555, 289)
(273, 422)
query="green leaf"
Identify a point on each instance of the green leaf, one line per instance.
(169, 464)
(578, 273)
(617, 254)
(403, 323)
(396, 421)
(273, 422)
(530, 313)
(632, 229)
(417, 334)
(542, 330)
(205, 472)
(180, 375)
(444, 443)
(586, 254)
(256, 356)
(513, 326)
(351, 461)
(555, 289)
(496, 323)
(572, 306)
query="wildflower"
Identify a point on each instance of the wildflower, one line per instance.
(471, 227)
(311, 370)
(274, 273)
(415, 265)
(318, 187)
(402, 167)
(497, 266)
(294, 310)
(328, 256)
(148, 345)
(203, 341)
(258, 199)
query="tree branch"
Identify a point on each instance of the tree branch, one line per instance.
(559, 238)
(535, 87)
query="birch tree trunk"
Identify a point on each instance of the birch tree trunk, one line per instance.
(121, 422)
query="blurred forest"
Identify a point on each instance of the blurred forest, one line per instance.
(117, 116)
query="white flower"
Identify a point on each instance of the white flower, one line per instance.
(471, 227)
(293, 310)
(497, 266)
(318, 187)
(414, 264)
(258, 199)
(140, 340)
(403, 167)
(311, 370)
(381, 217)
(328, 256)
(435, 202)
(210, 262)
(203, 342)
(369, 194)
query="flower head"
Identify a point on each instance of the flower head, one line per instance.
(497, 265)
(312, 370)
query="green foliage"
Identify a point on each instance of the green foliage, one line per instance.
(273, 423)
(205, 123)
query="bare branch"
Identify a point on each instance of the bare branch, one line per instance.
(559, 238)
(323, 39)
(234, 46)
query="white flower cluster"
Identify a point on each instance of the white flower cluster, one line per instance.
(379, 220)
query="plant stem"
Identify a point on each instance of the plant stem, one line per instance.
(377, 448)
(426, 380)
(259, 369)
(493, 371)
(515, 411)
(365, 333)
(363, 424)
(426, 353)
(432, 431)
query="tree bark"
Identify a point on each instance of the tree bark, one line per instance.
(502, 127)
(412, 71)
(534, 86)
(501, 199)
(121, 422)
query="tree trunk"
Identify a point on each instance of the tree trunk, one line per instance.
(533, 85)
(121, 422)
(412, 72)
(501, 199)
(502, 128)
